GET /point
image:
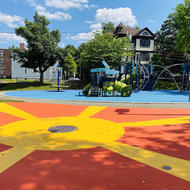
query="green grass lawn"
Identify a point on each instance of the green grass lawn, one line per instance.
(166, 85)
(29, 84)
(23, 85)
(7, 100)
(16, 80)
(12, 84)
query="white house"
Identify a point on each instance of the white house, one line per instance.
(142, 41)
(19, 72)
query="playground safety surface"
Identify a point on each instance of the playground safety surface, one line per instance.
(111, 148)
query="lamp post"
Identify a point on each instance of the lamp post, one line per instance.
(58, 75)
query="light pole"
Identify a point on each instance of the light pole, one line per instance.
(58, 76)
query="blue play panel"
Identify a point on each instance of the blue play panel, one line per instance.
(140, 97)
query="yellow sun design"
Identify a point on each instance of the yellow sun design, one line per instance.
(32, 133)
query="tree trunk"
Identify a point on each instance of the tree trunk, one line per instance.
(41, 77)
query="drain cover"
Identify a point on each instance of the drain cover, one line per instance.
(166, 167)
(62, 129)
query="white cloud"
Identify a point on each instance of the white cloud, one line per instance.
(67, 4)
(64, 4)
(96, 27)
(89, 21)
(7, 37)
(124, 15)
(32, 3)
(66, 36)
(151, 21)
(62, 45)
(11, 21)
(52, 16)
(82, 36)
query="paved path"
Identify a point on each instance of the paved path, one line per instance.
(93, 147)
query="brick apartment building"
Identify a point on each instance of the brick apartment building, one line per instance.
(5, 63)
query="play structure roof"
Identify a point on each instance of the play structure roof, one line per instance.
(105, 70)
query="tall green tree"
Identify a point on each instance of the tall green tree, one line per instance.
(81, 64)
(165, 40)
(173, 40)
(108, 27)
(42, 45)
(70, 65)
(165, 43)
(104, 47)
(182, 20)
(63, 52)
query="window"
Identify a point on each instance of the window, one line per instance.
(2, 71)
(1, 53)
(145, 43)
(25, 71)
(145, 33)
(130, 37)
(2, 62)
(145, 57)
(53, 71)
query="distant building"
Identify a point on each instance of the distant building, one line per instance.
(5, 63)
(19, 72)
(142, 41)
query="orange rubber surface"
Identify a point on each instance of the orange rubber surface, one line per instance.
(98, 168)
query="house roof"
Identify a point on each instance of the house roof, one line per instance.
(140, 31)
(132, 31)
(121, 29)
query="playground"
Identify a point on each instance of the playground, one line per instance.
(133, 82)
(77, 147)
(134, 77)
(55, 146)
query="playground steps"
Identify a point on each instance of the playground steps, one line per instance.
(94, 91)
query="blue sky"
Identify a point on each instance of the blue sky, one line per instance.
(77, 19)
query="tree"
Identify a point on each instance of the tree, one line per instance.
(157, 59)
(42, 45)
(137, 28)
(165, 43)
(173, 40)
(63, 52)
(108, 27)
(70, 65)
(82, 70)
(182, 19)
(165, 40)
(104, 47)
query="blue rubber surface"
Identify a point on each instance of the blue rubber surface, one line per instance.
(140, 97)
